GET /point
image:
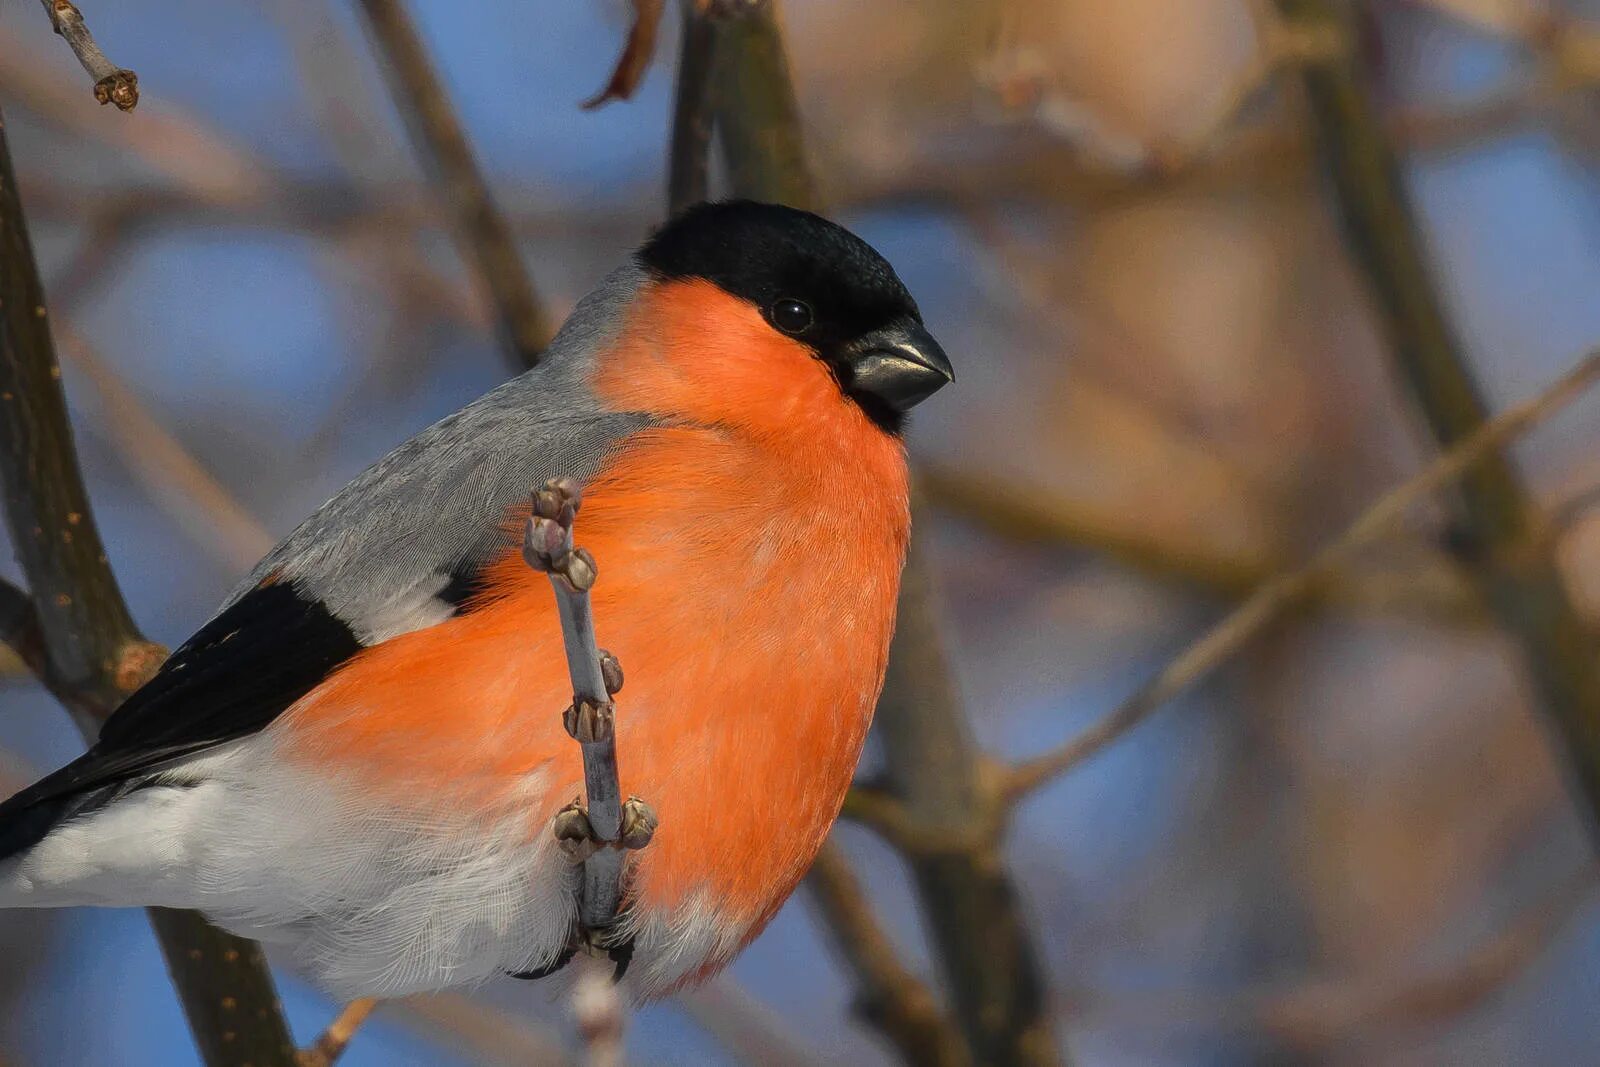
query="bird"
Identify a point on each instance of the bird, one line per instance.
(360, 755)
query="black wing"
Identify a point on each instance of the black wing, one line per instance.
(239, 672)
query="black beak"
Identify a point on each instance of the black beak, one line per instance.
(901, 365)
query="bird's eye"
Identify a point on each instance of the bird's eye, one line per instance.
(791, 316)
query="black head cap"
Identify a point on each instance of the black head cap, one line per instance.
(818, 283)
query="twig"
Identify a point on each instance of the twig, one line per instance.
(479, 228)
(112, 84)
(336, 1038)
(597, 1009)
(596, 832)
(932, 763)
(636, 55)
(754, 108)
(1245, 621)
(486, 1035)
(1494, 513)
(688, 168)
(94, 656)
(1431, 588)
(895, 1001)
(168, 470)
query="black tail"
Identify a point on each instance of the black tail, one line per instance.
(29, 816)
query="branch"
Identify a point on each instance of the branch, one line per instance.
(112, 84)
(636, 55)
(480, 230)
(597, 1009)
(891, 998)
(757, 117)
(595, 833)
(1271, 599)
(687, 170)
(336, 1038)
(89, 650)
(1494, 513)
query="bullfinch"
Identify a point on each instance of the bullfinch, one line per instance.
(361, 754)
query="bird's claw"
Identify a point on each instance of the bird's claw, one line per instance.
(576, 836)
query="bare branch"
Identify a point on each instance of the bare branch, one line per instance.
(92, 653)
(636, 55)
(336, 1038)
(480, 230)
(168, 470)
(597, 1009)
(596, 832)
(1494, 514)
(688, 179)
(888, 996)
(112, 84)
(1274, 597)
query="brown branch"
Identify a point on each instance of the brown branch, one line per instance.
(211, 515)
(112, 84)
(1494, 514)
(93, 654)
(756, 115)
(897, 1003)
(688, 180)
(480, 230)
(336, 1038)
(637, 52)
(1269, 601)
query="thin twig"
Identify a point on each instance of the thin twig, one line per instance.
(485, 1035)
(637, 52)
(1270, 600)
(112, 84)
(212, 515)
(598, 1011)
(896, 1002)
(330, 1045)
(479, 228)
(93, 654)
(688, 169)
(1494, 514)
(597, 832)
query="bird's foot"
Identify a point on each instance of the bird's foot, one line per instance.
(576, 836)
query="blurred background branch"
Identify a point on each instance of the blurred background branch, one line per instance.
(87, 648)
(1343, 848)
(1496, 531)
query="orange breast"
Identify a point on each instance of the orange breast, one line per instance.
(749, 562)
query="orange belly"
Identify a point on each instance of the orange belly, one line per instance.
(748, 588)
